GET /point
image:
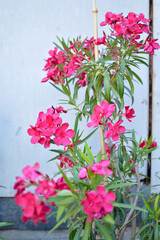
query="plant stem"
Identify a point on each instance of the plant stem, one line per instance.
(130, 214)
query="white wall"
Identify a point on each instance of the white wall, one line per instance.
(155, 164)
(27, 30)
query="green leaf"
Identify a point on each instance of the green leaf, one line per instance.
(123, 205)
(87, 230)
(60, 212)
(103, 230)
(119, 185)
(85, 157)
(109, 219)
(115, 92)
(60, 90)
(2, 224)
(70, 185)
(122, 66)
(156, 232)
(130, 84)
(142, 229)
(107, 88)
(88, 136)
(89, 152)
(52, 159)
(135, 74)
(68, 215)
(59, 47)
(72, 234)
(141, 61)
(65, 192)
(66, 90)
(78, 234)
(147, 205)
(156, 204)
(120, 84)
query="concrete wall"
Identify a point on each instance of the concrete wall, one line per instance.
(27, 30)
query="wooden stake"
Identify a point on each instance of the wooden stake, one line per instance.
(95, 11)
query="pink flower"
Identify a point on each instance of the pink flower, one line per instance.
(98, 203)
(33, 208)
(96, 117)
(61, 184)
(151, 46)
(144, 143)
(101, 40)
(63, 135)
(114, 130)
(129, 113)
(46, 188)
(107, 109)
(101, 168)
(31, 173)
(64, 161)
(83, 173)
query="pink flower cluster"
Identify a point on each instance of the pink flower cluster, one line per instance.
(129, 113)
(100, 111)
(106, 110)
(33, 207)
(144, 143)
(49, 124)
(130, 27)
(98, 203)
(99, 168)
(62, 64)
(65, 162)
(114, 130)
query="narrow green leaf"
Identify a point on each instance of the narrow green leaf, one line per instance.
(64, 219)
(89, 152)
(119, 185)
(115, 92)
(156, 204)
(60, 90)
(60, 212)
(122, 66)
(142, 229)
(85, 157)
(130, 84)
(2, 224)
(87, 230)
(67, 180)
(147, 205)
(156, 232)
(72, 234)
(59, 47)
(88, 136)
(66, 90)
(78, 234)
(141, 61)
(107, 88)
(109, 219)
(120, 84)
(123, 205)
(103, 230)
(52, 159)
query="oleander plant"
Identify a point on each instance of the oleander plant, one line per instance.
(97, 194)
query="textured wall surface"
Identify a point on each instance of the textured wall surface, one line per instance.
(27, 30)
